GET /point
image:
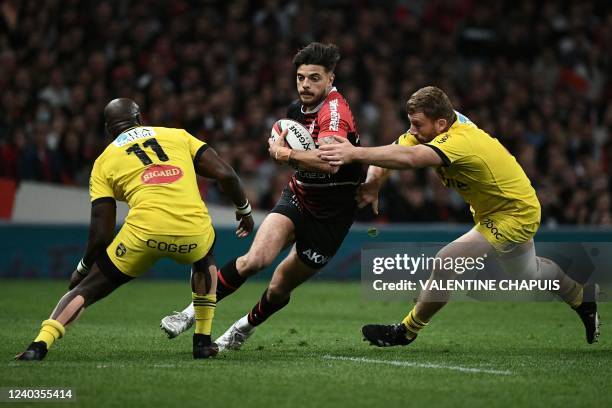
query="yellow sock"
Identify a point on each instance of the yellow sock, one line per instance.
(204, 306)
(574, 296)
(413, 324)
(50, 331)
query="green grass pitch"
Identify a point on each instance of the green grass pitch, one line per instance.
(308, 355)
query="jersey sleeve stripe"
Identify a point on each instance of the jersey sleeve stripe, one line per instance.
(103, 200)
(440, 153)
(199, 153)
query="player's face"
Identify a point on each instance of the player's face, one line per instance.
(313, 84)
(425, 129)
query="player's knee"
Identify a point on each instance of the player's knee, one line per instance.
(441, 267)
(92, 291)
(441, 271)
(253, 262)
(443, 274)
(277, 293)
(522, 267)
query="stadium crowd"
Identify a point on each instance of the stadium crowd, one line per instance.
(536, 75)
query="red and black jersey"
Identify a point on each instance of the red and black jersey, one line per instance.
(328, 195)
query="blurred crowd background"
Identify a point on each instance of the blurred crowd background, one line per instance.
(536, 75)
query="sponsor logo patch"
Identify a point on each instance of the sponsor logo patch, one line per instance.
(462, 118)
(488, 223)
(334, 115)
(161, 174)
(315, 257)
(164, 246)
(134, 134)
(443, 139)
(121, 250)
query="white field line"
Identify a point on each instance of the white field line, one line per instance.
(397, 363)
(400, 363)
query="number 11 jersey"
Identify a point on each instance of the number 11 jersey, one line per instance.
(152, 169)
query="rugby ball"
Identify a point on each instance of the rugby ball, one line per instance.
(298, 137)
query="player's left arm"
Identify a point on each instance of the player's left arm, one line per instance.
(209, 164)
(393, 156)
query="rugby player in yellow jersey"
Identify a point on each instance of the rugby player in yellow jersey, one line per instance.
(504, 205)
(154, 170)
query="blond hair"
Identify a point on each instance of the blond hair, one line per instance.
(432, 102)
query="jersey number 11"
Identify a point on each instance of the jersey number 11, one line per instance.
(143, 156)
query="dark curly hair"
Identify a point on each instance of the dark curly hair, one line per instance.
(326, 55)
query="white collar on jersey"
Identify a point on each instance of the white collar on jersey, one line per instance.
(316, 109)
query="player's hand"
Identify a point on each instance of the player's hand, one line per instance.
(278, 148)
(246, 225)
(367, 193)
(79, 274)
(339, 153)
(75, 279)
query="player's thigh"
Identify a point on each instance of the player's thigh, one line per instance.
(520, 260)
(513, 243)
(131, 252)
(99, 282)
(317, 241)
(185, 249)
(290, 273)
(472, 244)
(505, 233)
(275, 233)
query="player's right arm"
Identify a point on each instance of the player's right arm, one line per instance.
(209, 164)
(101, 224)
(101, 232)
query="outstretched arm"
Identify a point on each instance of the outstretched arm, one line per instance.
(391, 156)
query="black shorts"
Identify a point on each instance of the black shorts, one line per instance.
(316, 240)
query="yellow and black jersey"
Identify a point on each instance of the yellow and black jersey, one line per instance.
(152, 169)
(483, 172)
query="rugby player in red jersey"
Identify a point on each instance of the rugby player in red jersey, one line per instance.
(315, 210)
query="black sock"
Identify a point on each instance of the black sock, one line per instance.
(199, 338)
(264, 309)
(228, 280)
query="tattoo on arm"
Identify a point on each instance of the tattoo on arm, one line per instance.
(327, 139)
